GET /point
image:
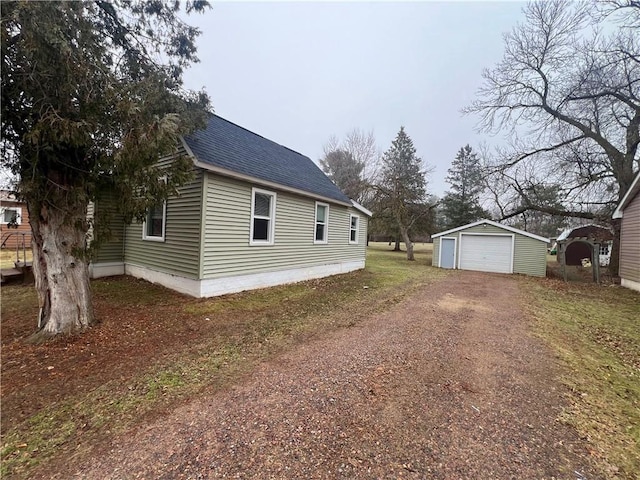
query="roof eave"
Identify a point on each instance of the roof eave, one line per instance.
(631, 193)
(359, 207)
(495, 224)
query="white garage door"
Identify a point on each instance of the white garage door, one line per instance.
(486, 253)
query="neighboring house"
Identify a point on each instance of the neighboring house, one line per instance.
(256, 214)
(15, 230)
(629, 211)
(581, 240)
(489, 246)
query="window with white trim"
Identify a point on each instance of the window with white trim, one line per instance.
(11, 215)
(263, 217)
(322, 223)
(354, 223)
(155, 223)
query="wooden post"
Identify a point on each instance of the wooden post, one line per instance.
(595, 261)
(563, 260)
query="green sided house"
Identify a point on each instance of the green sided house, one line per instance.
(256, 214)
(488, 246)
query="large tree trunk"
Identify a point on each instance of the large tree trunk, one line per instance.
(396, 247)
(407, 242)
(61, 271)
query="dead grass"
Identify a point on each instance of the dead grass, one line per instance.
(595, 331)
(8, 257)
(156, 348)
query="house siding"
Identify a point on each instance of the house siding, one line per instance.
(630, 242)
(179, 253)
(113, 249)
(13, 237)
(227, 217)
(530, 255)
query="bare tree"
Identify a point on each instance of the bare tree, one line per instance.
(569, 96)
(353, 164)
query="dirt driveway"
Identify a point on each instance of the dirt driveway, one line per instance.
(448, 384)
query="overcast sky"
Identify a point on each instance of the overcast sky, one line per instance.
(297, 73)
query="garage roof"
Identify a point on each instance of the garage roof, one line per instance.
(495, 224)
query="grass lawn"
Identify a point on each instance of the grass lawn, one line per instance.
(8, 257)
(155, 348)
(595, 332)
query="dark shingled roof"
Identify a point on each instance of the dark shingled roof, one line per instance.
(226, 145)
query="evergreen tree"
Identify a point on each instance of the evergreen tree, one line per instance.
(461, 205)
(91, 98)
(402, 187)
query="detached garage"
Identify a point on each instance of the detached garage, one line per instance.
(488, 246)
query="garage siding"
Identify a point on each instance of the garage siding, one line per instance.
(530, 254)
(436, 252)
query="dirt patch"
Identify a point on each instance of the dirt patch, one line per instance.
(448, 383)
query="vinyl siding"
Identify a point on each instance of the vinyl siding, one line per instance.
(179, 253)
(630, 241)
(227, 251)
(13, 237)
(435, 261)
(113, 249)
(530, 257)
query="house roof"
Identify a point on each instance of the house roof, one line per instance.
(630, 195)
(495, 224)
(234, 151)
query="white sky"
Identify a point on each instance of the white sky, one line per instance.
(299, 72)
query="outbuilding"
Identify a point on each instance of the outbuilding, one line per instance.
(488, 246)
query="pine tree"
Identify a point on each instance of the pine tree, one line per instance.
(461, 205)
(403, 187)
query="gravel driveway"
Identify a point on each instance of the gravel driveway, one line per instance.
(447, 384)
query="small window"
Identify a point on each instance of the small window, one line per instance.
(322, 223)
(353, 229)
(11, 215)
(604, 249)
(263, 207)
(155, 222)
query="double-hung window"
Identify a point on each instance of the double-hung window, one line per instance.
(263, 217)
(155, 223)
(322, 223)
(354, 220)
